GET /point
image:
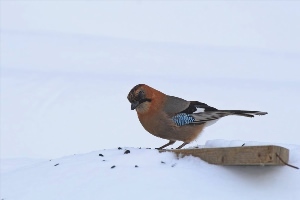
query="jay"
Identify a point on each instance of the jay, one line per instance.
(173, 118)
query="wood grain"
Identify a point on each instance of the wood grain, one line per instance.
(245, 155)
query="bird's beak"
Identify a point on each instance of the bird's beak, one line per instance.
(134, 105)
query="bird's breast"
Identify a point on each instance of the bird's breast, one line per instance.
(157, 124)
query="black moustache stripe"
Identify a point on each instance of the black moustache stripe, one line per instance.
(144, 100)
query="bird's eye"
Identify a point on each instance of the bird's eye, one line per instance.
(141, 94)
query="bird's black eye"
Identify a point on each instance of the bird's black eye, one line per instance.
(141, 92)
(141, 95)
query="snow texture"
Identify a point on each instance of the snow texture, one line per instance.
(147, 174)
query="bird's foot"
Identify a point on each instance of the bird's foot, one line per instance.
(185, 143)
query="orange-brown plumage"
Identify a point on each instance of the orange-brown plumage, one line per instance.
(173, 118)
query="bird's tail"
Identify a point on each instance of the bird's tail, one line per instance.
(245, 113)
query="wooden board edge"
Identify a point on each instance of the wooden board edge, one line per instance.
(258, 155)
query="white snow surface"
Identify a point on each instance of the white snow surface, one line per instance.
(147, 174)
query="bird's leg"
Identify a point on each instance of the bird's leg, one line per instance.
(183, 144)
(168, 144)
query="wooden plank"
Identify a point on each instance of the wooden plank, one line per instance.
(245, 155)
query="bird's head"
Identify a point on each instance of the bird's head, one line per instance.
(139, 96)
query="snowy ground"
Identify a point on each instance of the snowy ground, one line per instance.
(147, 174)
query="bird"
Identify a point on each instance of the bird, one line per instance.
(174, 118)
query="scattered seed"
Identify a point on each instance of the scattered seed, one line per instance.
(113, 166)
(127, 152)
(101, 154)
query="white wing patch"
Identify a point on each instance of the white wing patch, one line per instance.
(199, 110)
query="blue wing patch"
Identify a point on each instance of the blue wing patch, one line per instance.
(182, 119)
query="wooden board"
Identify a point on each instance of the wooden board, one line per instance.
(245, 155)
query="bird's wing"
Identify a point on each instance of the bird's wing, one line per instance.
(203, 117)
(174, 105)
(182, 119)
(195, 113)
(197, 107)
(210, 116)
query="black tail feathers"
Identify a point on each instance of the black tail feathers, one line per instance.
(245, 113)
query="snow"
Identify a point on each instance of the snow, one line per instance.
(67, 94)
(147, 174)
(65, 78)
